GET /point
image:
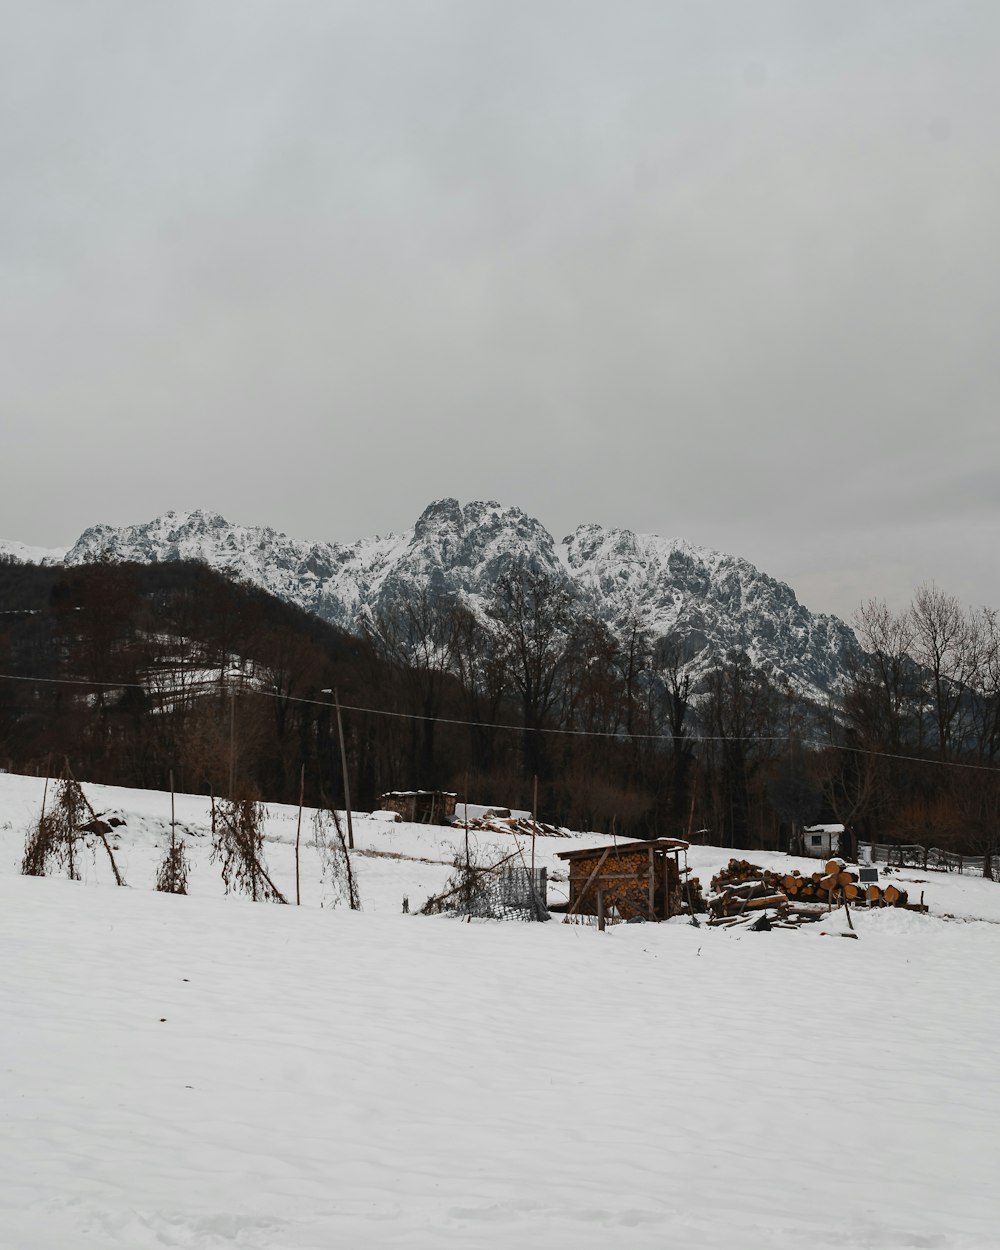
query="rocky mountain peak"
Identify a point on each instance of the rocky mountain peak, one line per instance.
(711, 601)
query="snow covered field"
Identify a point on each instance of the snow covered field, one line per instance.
(206, 1072)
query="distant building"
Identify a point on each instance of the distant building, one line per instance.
(421, 807)
(826, 841)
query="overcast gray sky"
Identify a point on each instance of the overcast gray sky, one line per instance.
(722, 270)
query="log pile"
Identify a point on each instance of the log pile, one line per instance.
(746, 894)
(520, 825)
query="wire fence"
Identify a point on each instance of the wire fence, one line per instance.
(511, 893)
(931, 858)
(502, 892)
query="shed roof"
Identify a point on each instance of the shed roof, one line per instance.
(409, 794)
(671, 845)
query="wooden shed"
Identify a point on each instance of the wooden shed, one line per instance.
(633, 880)
(421, 807)
(825, 841)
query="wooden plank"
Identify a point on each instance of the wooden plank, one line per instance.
(652, 886)
(622, 876)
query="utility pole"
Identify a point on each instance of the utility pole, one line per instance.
(232, 743)
(343, 767)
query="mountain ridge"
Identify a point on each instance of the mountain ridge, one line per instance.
(708, 600)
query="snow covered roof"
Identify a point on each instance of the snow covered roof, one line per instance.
(409, 794)
(823, 829)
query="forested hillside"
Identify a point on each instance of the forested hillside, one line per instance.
(132, 671)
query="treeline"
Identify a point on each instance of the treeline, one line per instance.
(217, 681)
(920, 736)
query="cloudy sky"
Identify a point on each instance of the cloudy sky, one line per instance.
(724, 270)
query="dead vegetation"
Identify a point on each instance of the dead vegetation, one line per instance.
(505, 889)
(55, 840)
(337, 873)
(238, 848)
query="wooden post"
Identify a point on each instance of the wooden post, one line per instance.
(534, 830)
(298, 834)
(652, 885)
(666, 887)
(466, 819)
(232, 744)
(343, 765)
(71, 843)
(600, 911)
(45, 790)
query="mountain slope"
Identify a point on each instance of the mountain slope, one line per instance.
(21, 553)
(709, 601)
(713, 602)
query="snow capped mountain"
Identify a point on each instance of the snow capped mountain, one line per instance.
(714, 602)
(450, 549)
(710, 601)
(21, 553)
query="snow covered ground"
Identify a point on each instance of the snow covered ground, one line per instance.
(206, 1072)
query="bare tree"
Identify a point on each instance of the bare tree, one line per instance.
(420, 641)
(481, 666)
(884, 685)
(985, 705)
(742, 712)
(946, 644)
(672, 661)
(532, 613)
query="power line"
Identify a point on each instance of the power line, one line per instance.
(914, 759)
(439, 720)
(478, 724)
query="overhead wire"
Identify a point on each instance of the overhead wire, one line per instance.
(439, 720)
(478, 724)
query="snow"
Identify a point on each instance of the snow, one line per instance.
(666, 585)
(25, 554)
(206, 1072)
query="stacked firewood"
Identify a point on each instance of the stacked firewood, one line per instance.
(837, 881)
(743, 889)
